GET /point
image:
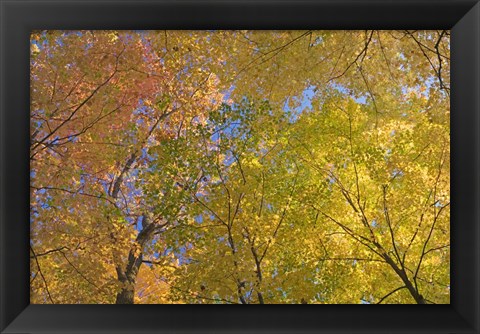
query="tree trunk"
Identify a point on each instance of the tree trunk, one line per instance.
(128, 276)
(401, 273)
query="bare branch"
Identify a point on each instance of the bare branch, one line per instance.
(390, 293)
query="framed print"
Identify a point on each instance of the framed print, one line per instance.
(239, 152)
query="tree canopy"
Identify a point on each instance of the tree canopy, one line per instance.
(240, 167)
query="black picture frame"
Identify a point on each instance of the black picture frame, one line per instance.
(19, 17)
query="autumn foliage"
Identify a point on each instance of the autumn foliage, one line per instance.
(240, 167)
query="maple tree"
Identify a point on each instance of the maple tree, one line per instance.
(240, 167)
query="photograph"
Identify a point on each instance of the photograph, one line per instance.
(239, 167)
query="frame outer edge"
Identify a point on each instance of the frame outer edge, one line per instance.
(14, 226)
(8, 315)
(3, 316)
(465, 167)
(476, 323)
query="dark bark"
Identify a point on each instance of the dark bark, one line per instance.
(258, 265)
(119, 180)
(128, 276)
(259, 274)
(403, 276)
